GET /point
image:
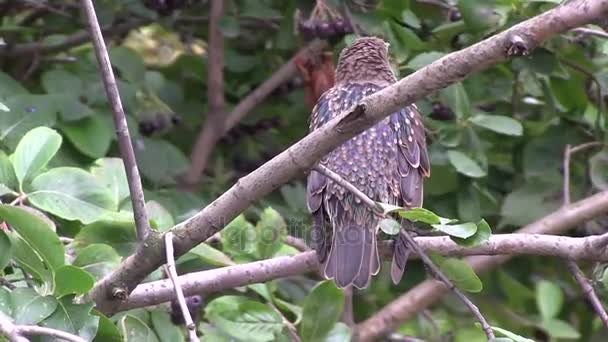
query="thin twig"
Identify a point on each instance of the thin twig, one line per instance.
(442, 277)
(30, 330)
(172, 273)
(348, 186)
(588, 290)
(591, 32)
(120, 122)
(44, 48)
(414, 246)
(296, 243)
(9, 330)
(577, 273)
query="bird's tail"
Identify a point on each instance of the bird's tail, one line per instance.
(353, 257)
(400, 254)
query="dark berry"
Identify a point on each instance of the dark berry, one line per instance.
(441, 112)
(340, 26)
(307, 30)
(325, 30)
(146, 128)
(454, 14)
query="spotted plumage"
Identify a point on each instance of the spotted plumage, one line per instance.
(387, 162)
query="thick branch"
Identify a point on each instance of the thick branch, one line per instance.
(301, 156)
(427, 292)
(261, 271)
(120, 123)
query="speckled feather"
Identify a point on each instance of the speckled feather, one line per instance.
(387, 162)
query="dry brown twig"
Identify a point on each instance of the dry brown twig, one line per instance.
(577, 273)
(436, 272)
(172, 273)
(120, 122)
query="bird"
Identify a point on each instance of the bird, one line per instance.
(387, 162)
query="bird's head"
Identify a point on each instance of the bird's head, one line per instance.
(366, 59)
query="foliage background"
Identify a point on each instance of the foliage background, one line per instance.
(496, 143)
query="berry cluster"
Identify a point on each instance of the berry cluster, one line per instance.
(333, 28)
(158, 123)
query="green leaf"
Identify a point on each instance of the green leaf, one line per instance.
(71, 193)
(549, 299)
(390, 226)
(499, 124)
(60, 81)
(415, 214)
(5, 249)
(136, 330)
(465, 165)
(166, 330)
(423, 59)
(27, 258)
(514, 337)
(8, 179)
(31, 308)
(598, 170)
(481, 235)
(159, 160)
(6, 306)
(37, 232)
(410, 18)
(459, 272)
(211, 255)
(340, 332)
(107, 331)
(27, 112)
(129, 63)
(91, 136)
(455, 97)
(110, 172)
(559, 329)
(229, 26)
(478, 15)
(97, 259)
(271, 229)
(316, 324)
(72, 280)
(244, 319)
(462, 230)
(34, 151)
(118, 235)
(74, 318)
(161, 218)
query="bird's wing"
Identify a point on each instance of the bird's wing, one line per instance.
(412, 157)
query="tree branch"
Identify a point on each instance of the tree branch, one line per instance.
(577, 273)
(14, 333)
(412, 245)
(120, 123)
(9, 330)
(213, 127)
(427, 292)
(303, 155)
(202, 151)
(224, 278)
(78, 38)
(591, 32)
(172, 273)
